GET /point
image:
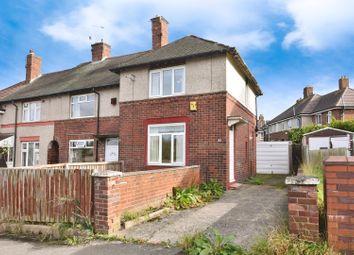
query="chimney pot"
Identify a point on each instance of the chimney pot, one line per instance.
(33, 66)
(159, 27)
(100, 51)
(343, 82)
(308, 91)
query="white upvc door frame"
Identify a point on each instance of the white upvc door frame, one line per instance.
(232, 154)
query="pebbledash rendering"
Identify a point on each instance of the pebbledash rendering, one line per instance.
(189, 102)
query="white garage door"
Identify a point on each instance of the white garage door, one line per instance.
(318, 143)
(273, 157)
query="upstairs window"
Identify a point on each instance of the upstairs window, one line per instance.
(167, 82)
(318, 119)
(329, 117)
(31, 112)
(290, 124)
(82, 106)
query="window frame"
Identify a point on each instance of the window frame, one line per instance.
(80, 140)
(72, 103)
(26, 106)
(318, 118)
(27, 151)
(160, 71)
(159, 162)
(329, 117)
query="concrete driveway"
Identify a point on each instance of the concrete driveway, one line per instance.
(246, 213)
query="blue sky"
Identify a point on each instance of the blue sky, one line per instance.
(287, 44)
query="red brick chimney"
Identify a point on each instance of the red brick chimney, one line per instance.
(159, 27)
(308, 91)
(33, 66)
(343, 82)
(100, 51)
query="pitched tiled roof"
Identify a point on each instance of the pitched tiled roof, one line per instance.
(189, 46)
(91, 75)
(10, 90)
(317, 103)
(85, 76)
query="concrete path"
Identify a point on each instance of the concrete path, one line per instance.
(246, 213)
(13, 247)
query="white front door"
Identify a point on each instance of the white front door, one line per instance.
(111, 152)
(232, 154)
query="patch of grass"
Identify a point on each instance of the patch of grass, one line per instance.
(255, 180)
(275, 180)
(128, 216)
(280, 242)
(210, 243)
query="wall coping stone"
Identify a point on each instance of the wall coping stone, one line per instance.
(163, 170)
(339, 160)
(302, 180)
(107, 174)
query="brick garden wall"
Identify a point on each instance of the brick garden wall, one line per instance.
(339, 188)
(136, 190)
(66, 130)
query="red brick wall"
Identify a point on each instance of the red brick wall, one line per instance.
(279, 136)
(135, 191)
(206, 130)
(245, 140)
(339, 199)
(66, 130)
(303, 211)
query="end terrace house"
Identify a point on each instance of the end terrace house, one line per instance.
(191, 101)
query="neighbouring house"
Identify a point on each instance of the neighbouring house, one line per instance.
(192, 101)
(313, 109)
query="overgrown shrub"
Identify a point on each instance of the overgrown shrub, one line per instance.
(296, 134)
(184, 198)
(210, 243)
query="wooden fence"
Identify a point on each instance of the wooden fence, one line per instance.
(45, 195)
(310, 156)
(98, 166)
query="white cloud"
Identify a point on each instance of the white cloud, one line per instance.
(239, 23)
(319, 25)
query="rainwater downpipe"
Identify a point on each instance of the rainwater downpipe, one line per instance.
(15, 134)
(97, 123)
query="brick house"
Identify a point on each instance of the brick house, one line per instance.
(313, 109)
(192, 101)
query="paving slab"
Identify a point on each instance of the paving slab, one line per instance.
(247, 213)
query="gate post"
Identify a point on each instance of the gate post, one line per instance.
(106, 201)
(302, 206)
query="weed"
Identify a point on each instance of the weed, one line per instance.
(255, 180)
(210, 243)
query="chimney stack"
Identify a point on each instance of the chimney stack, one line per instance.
(100, 51)
(159, 27)
(33, 66)
(308, 91)
(343, 82)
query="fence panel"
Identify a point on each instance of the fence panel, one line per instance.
(45, 195)
(309, 156)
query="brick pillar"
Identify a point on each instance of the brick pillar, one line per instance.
(302, 207)
(339, 199)
(106, 201)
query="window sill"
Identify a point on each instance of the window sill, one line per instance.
(174, 95)
(85, 117)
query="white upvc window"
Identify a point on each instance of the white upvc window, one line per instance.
(318, 119)
(329, 117)
(31, 111)
(290, 122)
(81, 151)
(167, 144)
(82, 106)
(167, 82)
(30, 153)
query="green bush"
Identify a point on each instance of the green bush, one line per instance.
(296, 134)
(212, 188)
(210, 243)
(184, 198)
